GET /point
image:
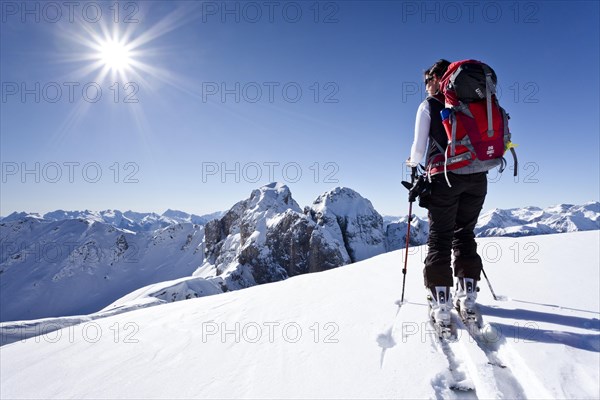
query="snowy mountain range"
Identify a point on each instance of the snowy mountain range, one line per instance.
(516, 222)
(530, 221)
(129, 220)
(76, 266)
(76, 263)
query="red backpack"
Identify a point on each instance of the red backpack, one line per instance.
(476, 125)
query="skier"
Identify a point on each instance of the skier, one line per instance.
(453, 209)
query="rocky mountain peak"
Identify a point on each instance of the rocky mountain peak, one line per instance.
(274, 197)
(267, 238)
(352, 220)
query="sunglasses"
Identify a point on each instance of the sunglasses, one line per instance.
(428, 79)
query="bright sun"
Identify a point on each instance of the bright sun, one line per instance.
(115, 55)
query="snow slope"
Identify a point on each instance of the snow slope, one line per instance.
(76, 266)
(339, 334)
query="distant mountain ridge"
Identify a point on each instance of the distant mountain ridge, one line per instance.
(130, 220)
(525, 221)
(77, 262)
(78, 266)
(515, 222)
(529, 221)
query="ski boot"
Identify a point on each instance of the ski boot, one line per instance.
(439, 312)
(464, 300)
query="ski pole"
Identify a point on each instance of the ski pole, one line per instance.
(411, 199)
(406, 250)
(489, 284)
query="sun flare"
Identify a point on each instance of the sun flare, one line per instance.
(115, 55)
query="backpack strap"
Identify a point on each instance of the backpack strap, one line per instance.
(453, 137)
(452, 77)
(430, 163)
(446, 159)
(435, 97)
(463, 108)
(490, 89)
(514, 154)
(509, 145)
(440, 148)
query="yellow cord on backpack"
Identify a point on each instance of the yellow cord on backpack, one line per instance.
(510, 145)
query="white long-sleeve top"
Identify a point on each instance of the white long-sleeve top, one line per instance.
(422, 124)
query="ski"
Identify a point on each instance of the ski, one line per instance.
(459, 379)
(479, 348)
(444, 332)
(484, 336)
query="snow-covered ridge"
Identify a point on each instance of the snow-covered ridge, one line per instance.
(515, 222)
(130, 220)
(78, 266)
(525, 221)
(267, 238)
(528, 221)
(353, 220)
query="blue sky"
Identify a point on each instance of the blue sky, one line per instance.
(220, 98)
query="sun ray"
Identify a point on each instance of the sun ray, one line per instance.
(170, 22)
(122, 47)
(122, 54)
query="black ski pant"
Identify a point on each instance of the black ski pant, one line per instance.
(453, 213)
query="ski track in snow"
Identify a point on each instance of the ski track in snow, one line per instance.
(488, 341)
(480, 365)
(531, 386)
(472, 367)
(455, 378)
(492, 381)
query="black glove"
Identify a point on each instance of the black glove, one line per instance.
(418, 186)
